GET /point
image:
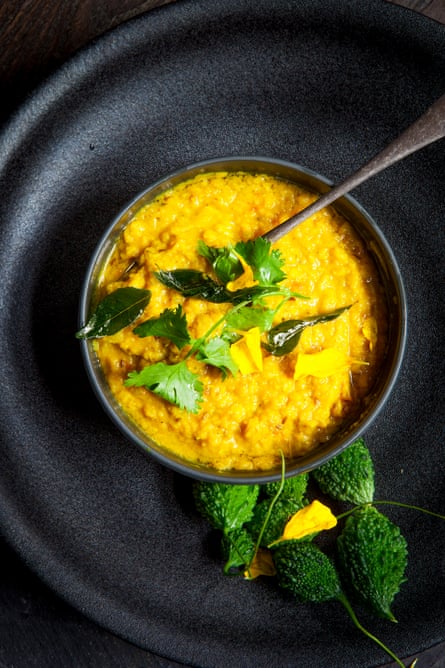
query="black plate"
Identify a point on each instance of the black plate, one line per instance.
(317, 82)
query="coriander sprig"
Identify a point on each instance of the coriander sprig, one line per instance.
(259, 270)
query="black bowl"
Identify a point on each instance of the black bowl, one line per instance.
(391, 279)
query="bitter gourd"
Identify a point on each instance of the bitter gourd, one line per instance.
(372, 556)
(306, 571)
(349, 476)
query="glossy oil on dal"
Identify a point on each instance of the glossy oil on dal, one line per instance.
(246, 420)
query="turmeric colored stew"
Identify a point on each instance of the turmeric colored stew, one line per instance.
(227, 350)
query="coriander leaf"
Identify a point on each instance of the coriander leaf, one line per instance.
(117, 310)
(171, 324)
(284, 337)
(247, 317)
(230, 336)
(266, 264)
(225, 261)
(225, 506)
(173, 382)
(216, 352)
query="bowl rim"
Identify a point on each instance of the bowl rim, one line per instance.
(283, 169)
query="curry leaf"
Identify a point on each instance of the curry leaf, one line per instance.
(194, 283)
(266, 264)
(173, 382)
(284, 337)
(225, 262)
(117, 310)
(171, 324)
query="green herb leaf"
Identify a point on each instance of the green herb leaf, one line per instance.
(247, 317)
(171, 324)
(266, 264)
(225, 262)
(230, 336)
(173, 382)
(284, 337)
(238, 549)
(256, 293)
(193, 283)
(225, 506)
(216, 352)
(117, 310)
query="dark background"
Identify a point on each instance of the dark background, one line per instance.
(37, 629)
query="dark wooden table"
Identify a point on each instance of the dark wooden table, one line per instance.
(37, 629)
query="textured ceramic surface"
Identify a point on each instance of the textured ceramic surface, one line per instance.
(320, 83)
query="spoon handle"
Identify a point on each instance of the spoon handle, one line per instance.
(427, 129)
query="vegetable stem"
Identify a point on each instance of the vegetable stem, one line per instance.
(269, 511)
(198, 342)
(342, 598)
(237, 307)
(390, 503)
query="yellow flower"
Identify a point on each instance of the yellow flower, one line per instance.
(311, 519)
(262, 564)
(324, 363)
(246, 353)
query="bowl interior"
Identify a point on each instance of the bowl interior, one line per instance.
(377, 247)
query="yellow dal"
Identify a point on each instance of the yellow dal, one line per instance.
(245, 421)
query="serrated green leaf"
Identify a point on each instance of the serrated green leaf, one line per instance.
(171, 324)
(173, 382)
(247, 317)
(226, 507)
(225, 262)
(117, 310)
(216, 352)
(238, 549)
(266, 264)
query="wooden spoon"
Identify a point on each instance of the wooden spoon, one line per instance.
(427, 129)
